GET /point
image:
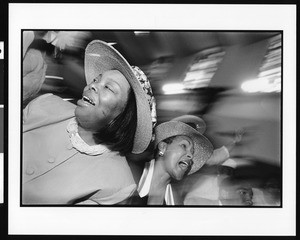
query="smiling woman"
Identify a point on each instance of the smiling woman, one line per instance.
(74, 154)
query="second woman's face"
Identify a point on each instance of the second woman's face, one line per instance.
(178, 157)
(102, 100)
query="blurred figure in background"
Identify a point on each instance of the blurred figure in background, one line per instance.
(272, 192)
(53, 62)
(235, 192)
(34, 68)
(203, 188)
(253, 183)
(67, 40)
(180, 150)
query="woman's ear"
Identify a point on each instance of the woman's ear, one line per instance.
(162, 147)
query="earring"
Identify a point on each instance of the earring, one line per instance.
(160, 153)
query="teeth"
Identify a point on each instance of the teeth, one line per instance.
(185, 163)
(88, 100)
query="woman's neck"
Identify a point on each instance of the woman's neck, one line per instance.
(159, 182)
(86, 135)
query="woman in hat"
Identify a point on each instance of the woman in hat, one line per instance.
(75, 153)
(202, 188)
(180, 150)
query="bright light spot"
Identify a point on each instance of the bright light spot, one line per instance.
(54, 77)
(111, 43)
(68, 99)
(266, 85)
(141, 33)
(173, 88)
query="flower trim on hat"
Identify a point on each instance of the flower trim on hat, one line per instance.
(145, 83)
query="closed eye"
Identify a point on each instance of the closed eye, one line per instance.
(109, 88)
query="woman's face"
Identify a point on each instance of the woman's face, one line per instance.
(178, 157)
(102, 100)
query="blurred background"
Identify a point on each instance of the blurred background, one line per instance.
(230, 79)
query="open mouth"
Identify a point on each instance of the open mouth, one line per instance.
(88, 100)
(184, 164)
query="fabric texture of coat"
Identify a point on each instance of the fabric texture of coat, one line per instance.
(54, 172)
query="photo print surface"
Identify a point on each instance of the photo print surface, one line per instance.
(224, 76)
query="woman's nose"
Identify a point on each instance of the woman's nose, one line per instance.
(190, 152)
(93, 87)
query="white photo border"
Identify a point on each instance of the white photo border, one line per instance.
(153, 221)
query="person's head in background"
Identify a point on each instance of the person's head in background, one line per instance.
(272, 192)
(236, 192)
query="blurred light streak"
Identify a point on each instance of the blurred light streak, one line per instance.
(68, 99)
(265, 85)
(54, 77)
(173, 88)
(141, 33)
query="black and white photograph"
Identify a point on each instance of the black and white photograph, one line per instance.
(172, 127)
(141, 119)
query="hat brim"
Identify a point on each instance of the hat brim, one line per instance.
(203, 148)
(101, 57)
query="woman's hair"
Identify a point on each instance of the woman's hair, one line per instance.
(168, 140)
(119, 134)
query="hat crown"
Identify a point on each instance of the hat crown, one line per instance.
(193, 121)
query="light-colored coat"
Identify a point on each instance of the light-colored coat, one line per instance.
(54, 172)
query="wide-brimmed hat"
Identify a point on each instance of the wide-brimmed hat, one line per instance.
(101, 57)
(203, 148)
